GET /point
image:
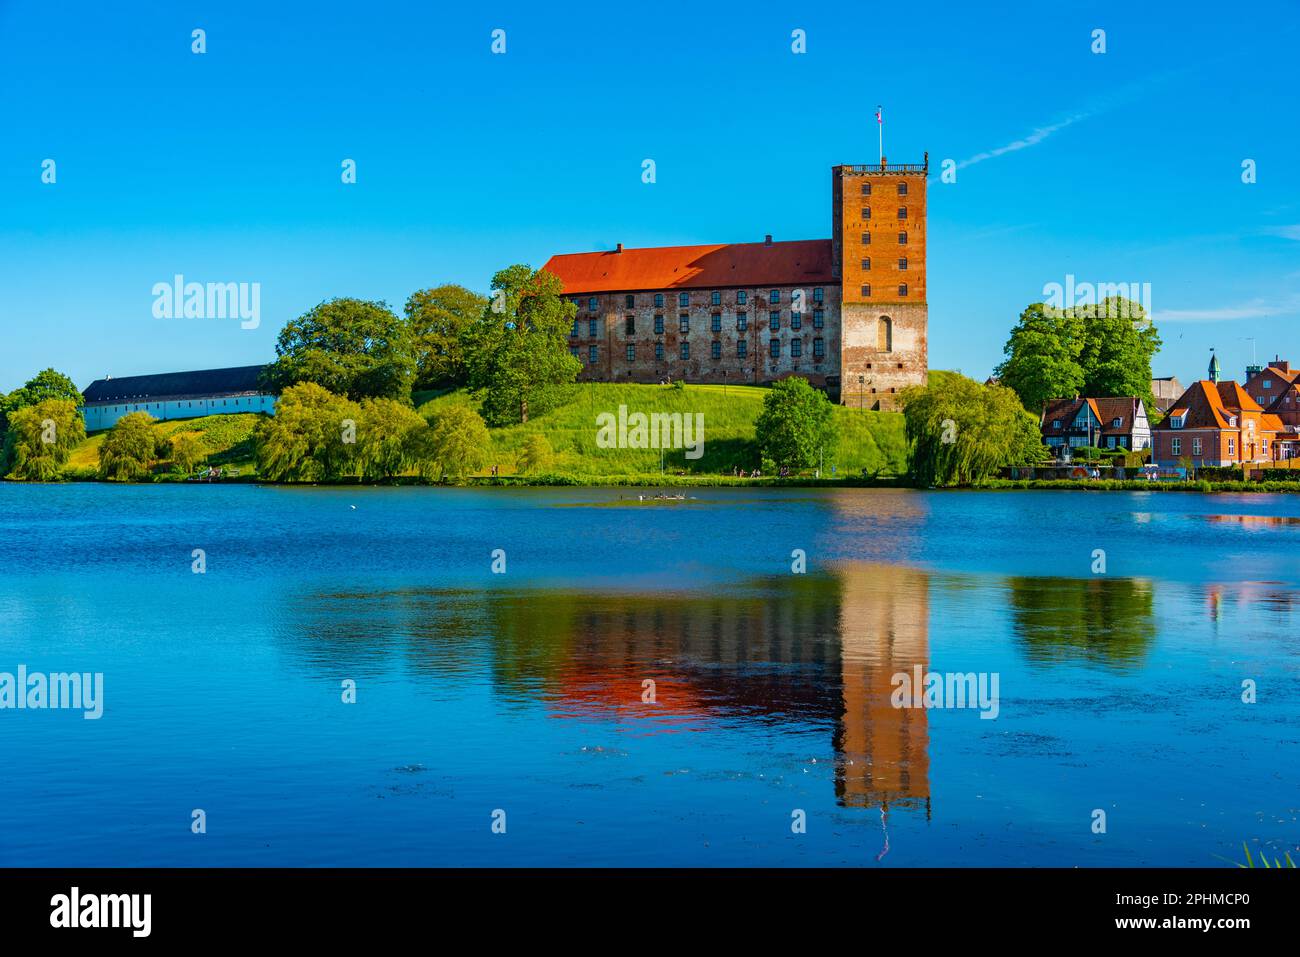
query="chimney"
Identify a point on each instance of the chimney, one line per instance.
(767, 240)
(618, 248)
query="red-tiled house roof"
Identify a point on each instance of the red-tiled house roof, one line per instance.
(1222, 405)
(695, 267)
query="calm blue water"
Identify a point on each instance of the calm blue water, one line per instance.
(522, 691)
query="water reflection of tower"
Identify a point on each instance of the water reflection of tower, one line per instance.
(884, 629)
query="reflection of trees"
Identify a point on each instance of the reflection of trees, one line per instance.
(1105, 621)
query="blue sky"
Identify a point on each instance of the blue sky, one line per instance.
(225, 167)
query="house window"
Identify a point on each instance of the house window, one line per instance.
(629, 301)
(866, 189)
(1267, 384)
(1232, 446)
(1116, 422)
(1056, 423)
(1196, 446)
(715, 298)
(629, 325)
(1176, 445)
(902, 189)
(631, 353)
(902, 212)
(819, 348)
(774, 295)
(819, 318)
(866, 239)
(866, 290)
(819, 294)
(866, 263)
(774, 348)
(902, 289)
(774, 320)
(742, 348)
(902, 239)
(866, 212)
(902, 263)
(742, 320)
(686, 350)
(591, 328)
(659, 325)
(684, 322)
(796, 348)
(717, 322)
(659, 351)
(717, 349)
(592, 354)
(796, 320)
(742, 297)
(683, 299)
(659, 300)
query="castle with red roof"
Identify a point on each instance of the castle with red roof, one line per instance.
(847, 313)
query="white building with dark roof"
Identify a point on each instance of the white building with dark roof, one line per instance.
(176, 395)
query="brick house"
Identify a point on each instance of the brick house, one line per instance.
(1112, 422)
(848, 313)
(1264, 384)
(1217, 423)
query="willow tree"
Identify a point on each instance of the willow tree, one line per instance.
(40, 438)
(311, 438)
(960, 432)
(130, 449)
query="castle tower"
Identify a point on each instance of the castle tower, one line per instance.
(878, 258)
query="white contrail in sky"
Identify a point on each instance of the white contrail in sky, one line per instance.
(1033, 139)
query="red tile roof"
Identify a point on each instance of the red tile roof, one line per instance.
(1207, 405)
(696, 267)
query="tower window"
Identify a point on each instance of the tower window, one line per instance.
(902, 263)
(902, 212)
(866, 239)
(629, 325)
(866, 263)
(866, 290)
(866, 189)
(629, 301)
(902, 189)
(902, 289)
(866, 212)
(885, 334)
(902, 239)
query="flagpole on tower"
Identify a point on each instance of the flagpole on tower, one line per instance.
(880, 127)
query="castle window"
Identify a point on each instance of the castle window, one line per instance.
(885, 334)
(902, 212)
(715, 298)
(629, 301)
(574, 331)
(592, 354)
(742, 349)
(902, 289)
(591, 328)
(659, 351)
(796, 348)
(866, 189)
(866, 263)
(742, 297)
(742, 320)
(591, 304)
(796, 320)
(774, 320)
(774, 295)
(683, 299)
(573, 351)
(686, 350)
(684, 322)
(819, 318)
(717, 349)
(866, 212)
(659, 325)
(659, 300)
(716, 325)
(902, 189)
(819, 294)
(902, 239)
(629, 325)
(631, 353)
(866, 239)
(819, 348)
(866, 290)
(902, 263)
(774, 348)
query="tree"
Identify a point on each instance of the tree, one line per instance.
(438, 320)
(40, 439)
(518, 350)
(311, 437)
(46, 384)
(349, 347)
(960, 431)
(1118, 342)
(130, 448)
(535, 455)
(796, 425)
(384, 447)
(1042, 357)
(458, 440)
(188, 451)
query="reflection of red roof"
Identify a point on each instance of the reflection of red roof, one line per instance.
(695, 267)
(606, 693)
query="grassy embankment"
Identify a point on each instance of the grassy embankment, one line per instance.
(868, 440)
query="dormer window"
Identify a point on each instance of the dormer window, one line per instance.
(1056, 423)
(1176, 422)
(1232, 420)
(1116, 422)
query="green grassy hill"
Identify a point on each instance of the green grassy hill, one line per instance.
(228, 439)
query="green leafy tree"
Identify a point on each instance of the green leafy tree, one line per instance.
(46, 384)
(311, 437)
(349, 347)
(536, 454)
(40, 438)
(961, 432)
(439, 319)
(518, 350)
(1118, 343)
(458, 441)
(384, 445)
(130, 448)
(188, 451)
(796, 426)
(1042, 357)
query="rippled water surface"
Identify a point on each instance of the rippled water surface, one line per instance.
(1118, 691)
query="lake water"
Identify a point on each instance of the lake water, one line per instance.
(1118, 691)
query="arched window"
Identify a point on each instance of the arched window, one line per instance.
(885, 334)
